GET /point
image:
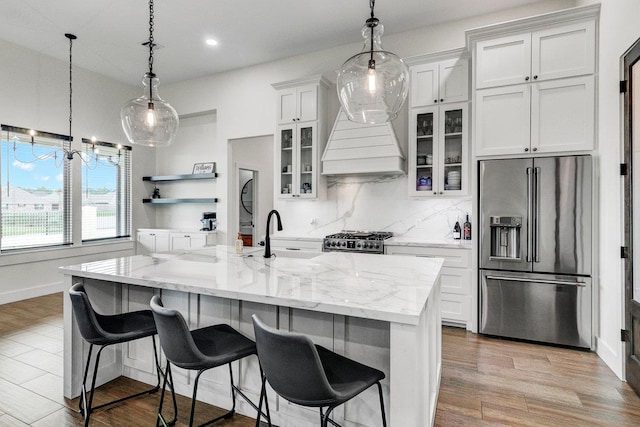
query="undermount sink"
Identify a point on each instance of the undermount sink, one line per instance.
(294, 254)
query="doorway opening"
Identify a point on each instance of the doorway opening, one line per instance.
(246, 205)
(632, 215)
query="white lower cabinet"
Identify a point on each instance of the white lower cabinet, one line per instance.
(456, 294)
(151, 241)
(161, 240)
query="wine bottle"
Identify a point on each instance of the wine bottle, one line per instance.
(456, 230)
(466, 229)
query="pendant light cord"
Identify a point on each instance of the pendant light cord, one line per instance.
(71, 37)
(151, 75)
(372, 64)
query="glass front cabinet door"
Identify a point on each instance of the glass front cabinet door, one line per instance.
(298, 154)
(438, 155)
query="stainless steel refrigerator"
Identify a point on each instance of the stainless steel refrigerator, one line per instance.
(535, 249)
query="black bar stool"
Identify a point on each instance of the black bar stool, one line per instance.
(105, 330)
(199, 350)
(311, 375)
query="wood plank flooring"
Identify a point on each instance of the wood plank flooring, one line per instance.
(485, 382)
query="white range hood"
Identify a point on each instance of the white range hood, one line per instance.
(355, 148)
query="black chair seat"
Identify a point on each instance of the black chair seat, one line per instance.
(347, 377)
(124, 327)
(220, 344)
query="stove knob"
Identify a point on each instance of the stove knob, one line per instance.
(365, 245)
(377, 245)
(359, 245)
(327, 243)
(333, 243)
(343, 244)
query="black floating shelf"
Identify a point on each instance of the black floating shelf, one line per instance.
(158, 178)
(167, 201)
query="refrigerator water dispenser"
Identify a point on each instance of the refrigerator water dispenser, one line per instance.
(505, 237)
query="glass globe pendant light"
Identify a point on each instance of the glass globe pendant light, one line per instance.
(372, 85)
(149, 120)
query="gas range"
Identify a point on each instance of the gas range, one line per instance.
(370, 242)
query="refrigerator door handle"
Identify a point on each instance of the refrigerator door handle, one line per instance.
(536, 220)
(529, 212)
(547, 282)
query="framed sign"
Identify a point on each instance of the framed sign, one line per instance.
(199, 168)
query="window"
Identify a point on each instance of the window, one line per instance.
(34, 172)
(106, 191)
(35, 193)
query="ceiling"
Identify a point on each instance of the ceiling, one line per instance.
(110, 32)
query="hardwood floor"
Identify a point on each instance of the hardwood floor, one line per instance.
(485, 381)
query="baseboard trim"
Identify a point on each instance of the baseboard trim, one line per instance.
(32, 292)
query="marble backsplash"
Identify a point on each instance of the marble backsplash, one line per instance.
(375, 202)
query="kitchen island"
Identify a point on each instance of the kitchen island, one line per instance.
(382, 311)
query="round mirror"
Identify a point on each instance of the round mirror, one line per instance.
(246, 197)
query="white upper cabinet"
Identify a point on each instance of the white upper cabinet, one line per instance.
(439, 82)
(300, 137)
(552, 53)
(535, 91)
(298, 104)
(562, 115)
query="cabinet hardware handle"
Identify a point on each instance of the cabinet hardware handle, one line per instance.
(526, 78)
(442, 192)
(292, 249)
(535, 77)
(426, 256)
(441, 99)
(435, 101)
(526, 149)
(535, 148)
(548, 282)
(435, 192)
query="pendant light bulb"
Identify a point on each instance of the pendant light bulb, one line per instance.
(373, 84)
(151, 115)
(372, 80)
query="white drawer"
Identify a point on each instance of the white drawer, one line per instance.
(455, 280)
(457, 258)
(297, 245)
(455, 308)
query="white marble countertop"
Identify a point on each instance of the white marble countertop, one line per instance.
(393, 289)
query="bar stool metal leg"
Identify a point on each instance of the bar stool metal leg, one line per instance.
(85, 407)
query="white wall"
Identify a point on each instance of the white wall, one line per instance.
(618, 31)
(35, 94)
(195, 142)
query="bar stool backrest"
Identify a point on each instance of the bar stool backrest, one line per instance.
(86, 316)
(175, 337)
(292, 366)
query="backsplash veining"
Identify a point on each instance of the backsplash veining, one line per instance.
(377, 203)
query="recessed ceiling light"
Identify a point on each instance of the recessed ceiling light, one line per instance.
(212, 42)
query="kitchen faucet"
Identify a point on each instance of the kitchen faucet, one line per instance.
(267, 241)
